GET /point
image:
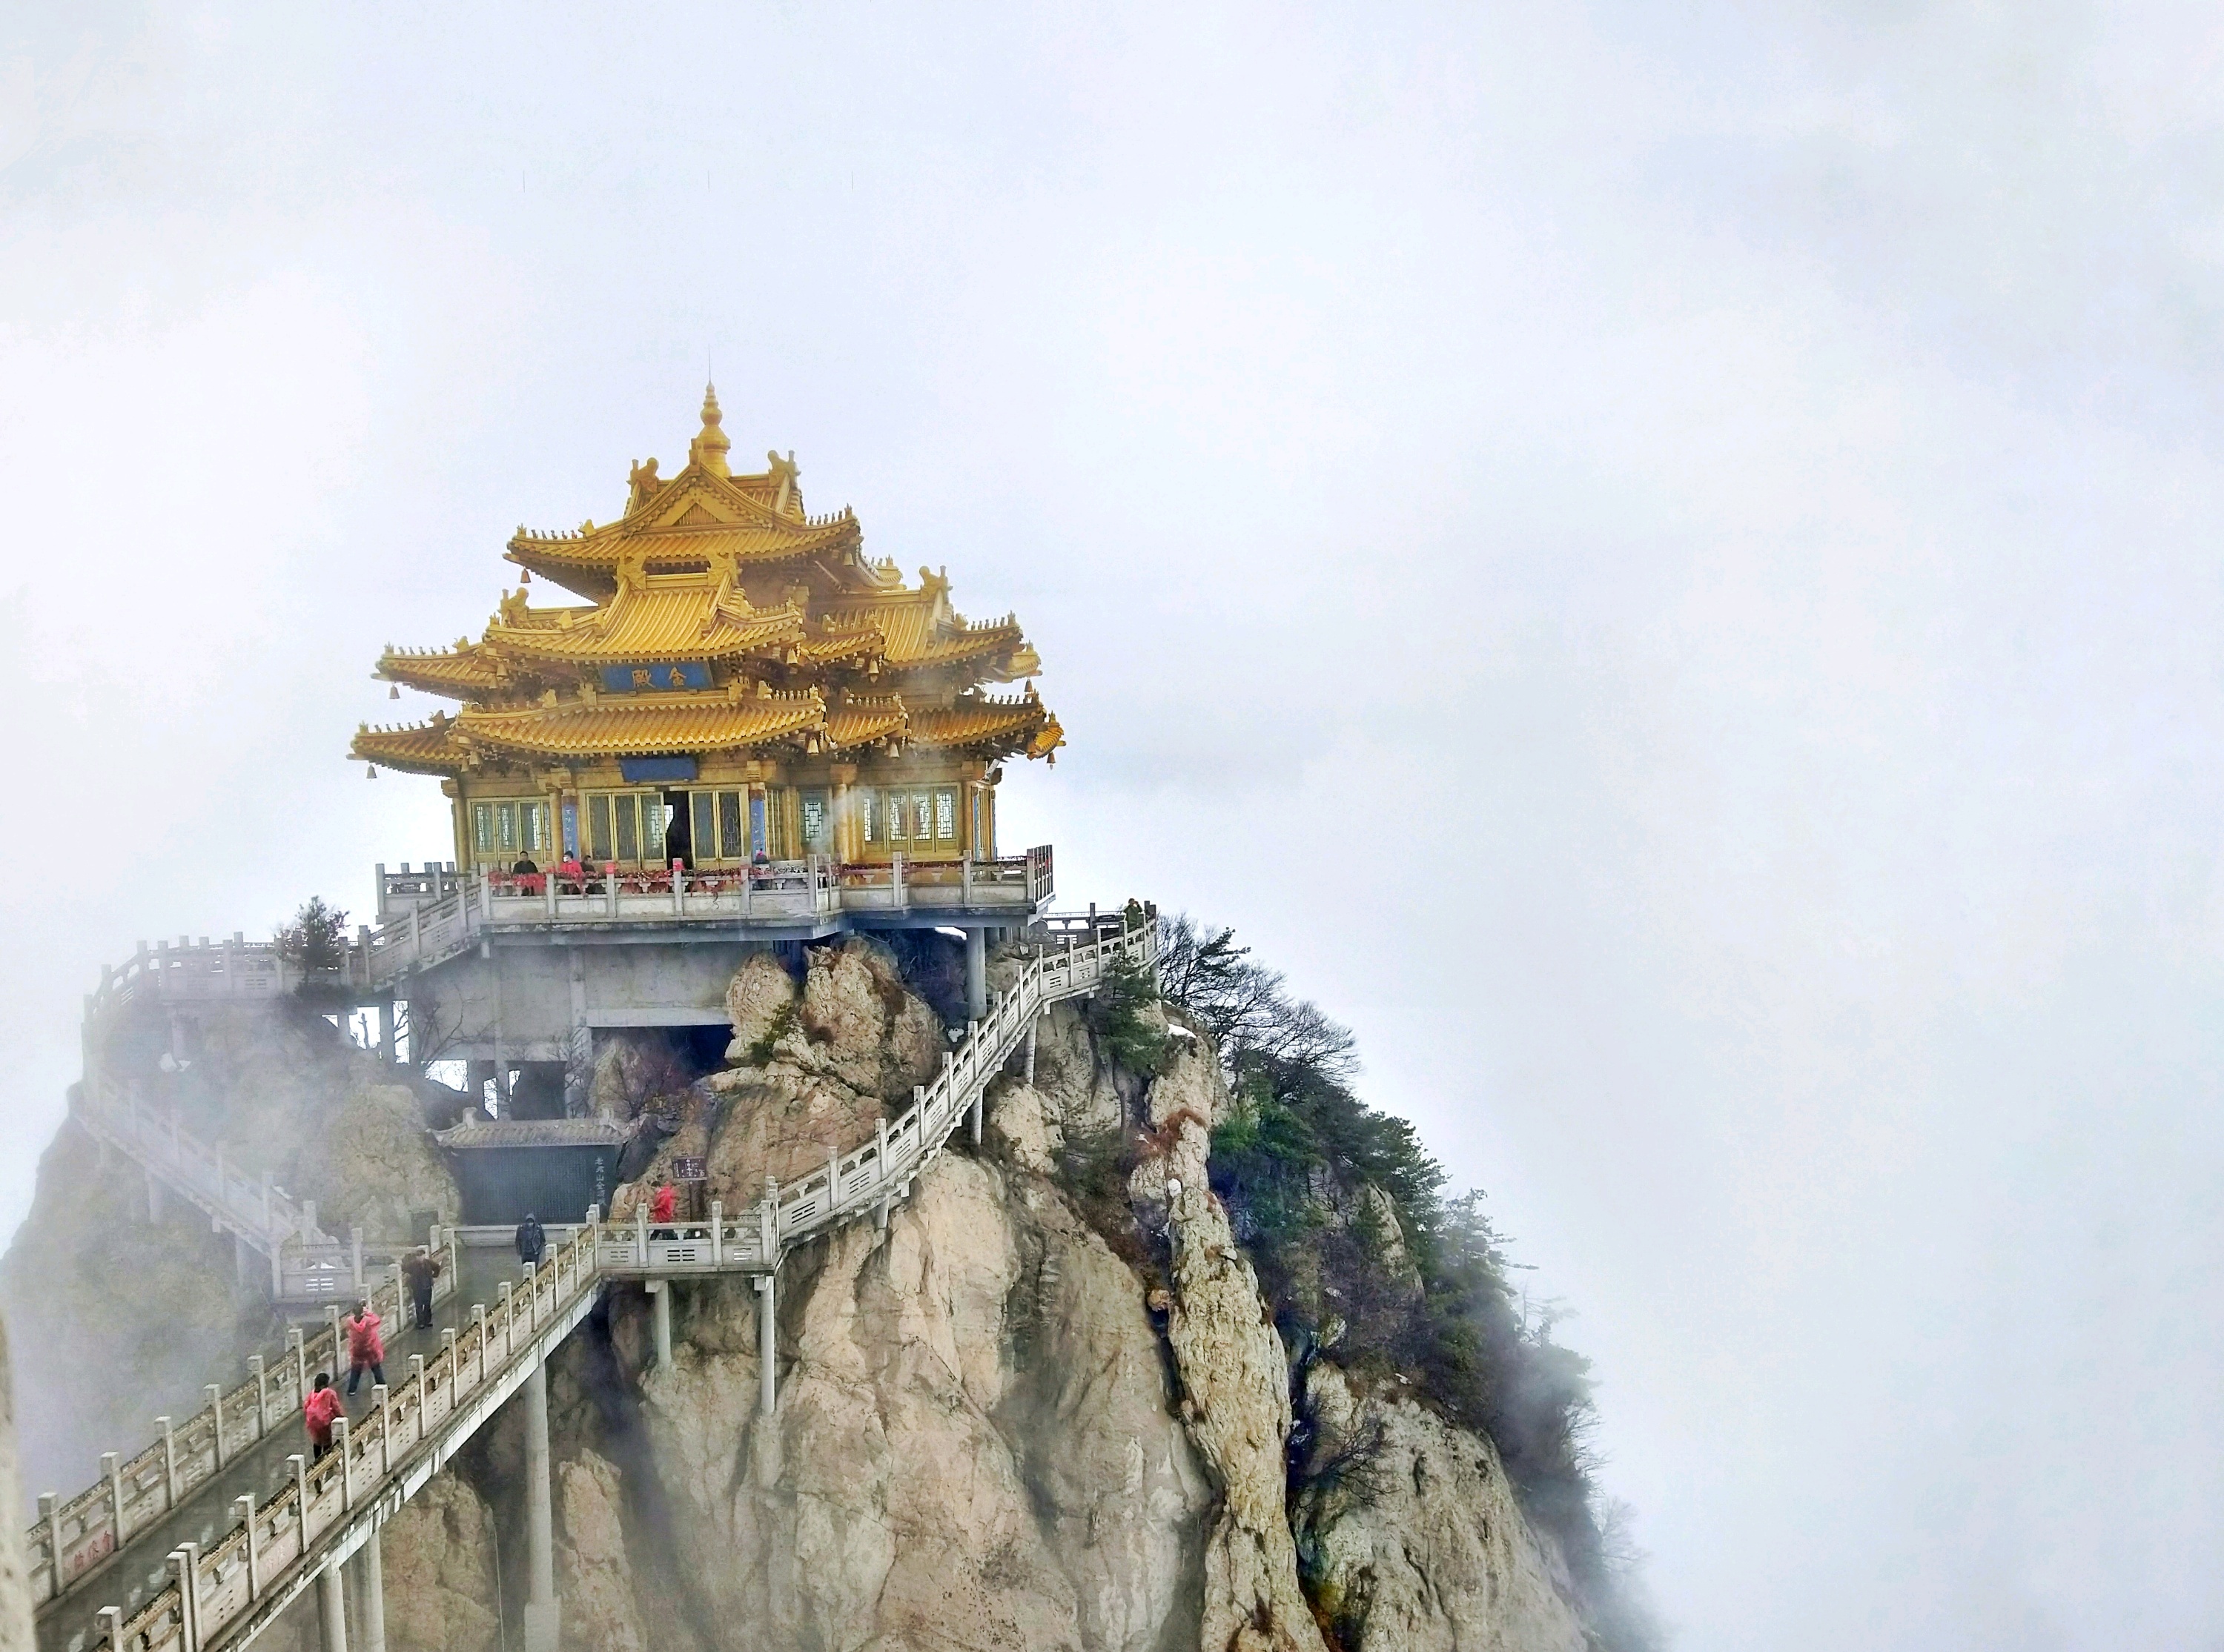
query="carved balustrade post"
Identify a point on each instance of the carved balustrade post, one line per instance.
(50, 1522)
(301, 1467)
(347, 1478)
(244, 1507)
(112, 1471)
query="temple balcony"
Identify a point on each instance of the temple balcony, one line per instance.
(432, 916)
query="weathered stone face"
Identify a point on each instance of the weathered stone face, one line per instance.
(759, 1000)
(974, 1446)
(438, 1557)
(1412, 1537)
(862, 1025)
(380, 1168)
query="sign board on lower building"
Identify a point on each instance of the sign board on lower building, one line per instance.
(689, 1170)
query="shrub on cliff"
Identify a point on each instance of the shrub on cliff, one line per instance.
(316, 940)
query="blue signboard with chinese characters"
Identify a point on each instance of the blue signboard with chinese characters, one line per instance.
(653, 679)
(636, 770)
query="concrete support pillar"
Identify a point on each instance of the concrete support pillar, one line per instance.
(242, 1266)
(976, 975)
(1032, 1026)
(767, 1344)
(659, 1299)
(385, 1031)
(331, 1599)
(541, 1610)
(373, 1582)
(154, 1198)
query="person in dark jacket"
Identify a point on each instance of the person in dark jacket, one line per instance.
(532, 1243)
(366, 1348)
(318, 1412)
(420, 1268)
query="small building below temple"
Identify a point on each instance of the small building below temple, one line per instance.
(740, 685)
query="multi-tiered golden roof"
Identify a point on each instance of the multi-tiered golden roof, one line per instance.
(729, 644)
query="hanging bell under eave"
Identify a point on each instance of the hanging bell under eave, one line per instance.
(371, 774)
(393, 692)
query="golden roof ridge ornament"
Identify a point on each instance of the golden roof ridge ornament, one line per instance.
(709, 449)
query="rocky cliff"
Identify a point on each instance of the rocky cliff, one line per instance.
(1046, 1407)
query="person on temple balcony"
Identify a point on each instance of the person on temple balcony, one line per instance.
(318, 1412)
(420, 1268)
(366, 1348)
(660, 1210)
(570, 876)
(532, 1241)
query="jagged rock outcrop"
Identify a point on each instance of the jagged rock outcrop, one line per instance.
(974, 1447)
(438, 1555)
(1234, 1371)
(820, 1064)
(761, 1004)
(1413, 1538)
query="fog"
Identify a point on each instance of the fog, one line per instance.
(1661, 562)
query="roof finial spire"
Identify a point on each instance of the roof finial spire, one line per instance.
(709, 449)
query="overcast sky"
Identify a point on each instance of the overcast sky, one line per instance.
(1660, 560)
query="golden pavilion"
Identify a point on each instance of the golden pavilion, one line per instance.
(739, 684)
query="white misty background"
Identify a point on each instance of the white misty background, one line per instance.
(1662, 562)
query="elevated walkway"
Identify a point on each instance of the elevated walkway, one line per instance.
(200, 1543)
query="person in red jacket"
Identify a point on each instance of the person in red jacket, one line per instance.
(319, 1411)
(660, 1209)
(366, 1350)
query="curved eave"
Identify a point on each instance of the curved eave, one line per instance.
(866, 722)
(649, 727)
(424, 748)
(772, 639)
(588, 564)
(455, 676)
(988, 728)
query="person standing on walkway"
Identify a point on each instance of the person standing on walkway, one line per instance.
(660, 1209)
(318, 1412)
(531, 1241)
(366, 1349)
(420, 1268)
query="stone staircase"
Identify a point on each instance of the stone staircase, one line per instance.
(225, 1590)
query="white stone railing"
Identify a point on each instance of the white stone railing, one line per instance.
(71, 1538)
(243, 1581)
(235, 969)
(866, 1179)
(254, 1208)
